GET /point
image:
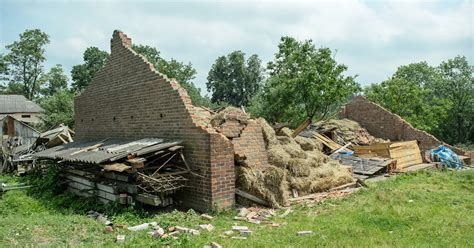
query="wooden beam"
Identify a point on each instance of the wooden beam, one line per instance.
(251, 197)
(301, 127)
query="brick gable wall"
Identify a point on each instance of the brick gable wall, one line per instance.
(128, 98)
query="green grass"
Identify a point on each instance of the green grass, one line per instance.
(429, 209)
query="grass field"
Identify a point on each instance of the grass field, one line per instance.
(426, 209)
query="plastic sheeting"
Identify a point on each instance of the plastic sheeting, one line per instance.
(447, 157)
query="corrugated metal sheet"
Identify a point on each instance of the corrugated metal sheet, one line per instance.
(96, 152)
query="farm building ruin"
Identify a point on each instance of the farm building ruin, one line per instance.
(138, 137)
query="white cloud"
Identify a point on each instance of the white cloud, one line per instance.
(372, 38)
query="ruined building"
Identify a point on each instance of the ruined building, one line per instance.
(384, 124)
(130, 99)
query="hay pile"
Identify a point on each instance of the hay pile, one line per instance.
(345, 131)
(295, 163)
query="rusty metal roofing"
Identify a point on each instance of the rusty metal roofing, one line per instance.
(100, 151)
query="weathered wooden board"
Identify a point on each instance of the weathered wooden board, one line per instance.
(375, 150)
(406, 153)
(152, 200)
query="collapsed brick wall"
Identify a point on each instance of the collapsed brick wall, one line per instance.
(246, 136)
(129, 99)
(382, 123)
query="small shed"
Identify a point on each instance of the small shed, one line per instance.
(18, 138)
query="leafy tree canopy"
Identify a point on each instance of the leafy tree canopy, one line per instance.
(234, 80)
(55, 80)
(458, 87)
(58, 108)
(409, 94)
(22, 66)
(305, 83)
(439, 99)
(183, 73)
(94, 60)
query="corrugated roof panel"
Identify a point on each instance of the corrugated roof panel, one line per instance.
(77, 151)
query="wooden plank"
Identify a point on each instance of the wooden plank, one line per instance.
(129, 188)
(107, 188)
(118, 167)
(251, 197)
(301, 127)
(149, 199)
(375, 150)
(347, 185)
(326, 141)
(343, 148)
(107, 195)
(81, 180)
(418, 167)
(115, 176)
(80, 173)
(406, 153)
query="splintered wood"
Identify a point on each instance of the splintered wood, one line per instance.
(160, 184)
(320, 197)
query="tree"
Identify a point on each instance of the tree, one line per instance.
(183, 73)
(24, 63)
(58, 108)
(55, 80)
(94, 60)
(3, 73)
(234, 80)
(409, 93)
(305, 83)
(458, 87)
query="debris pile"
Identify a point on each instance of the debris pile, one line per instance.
(270, 165)
(20, 141)
(147, 170)
(342, 131)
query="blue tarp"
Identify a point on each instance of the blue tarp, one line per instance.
(447, 157)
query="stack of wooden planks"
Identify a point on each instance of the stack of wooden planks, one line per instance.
(406, 153)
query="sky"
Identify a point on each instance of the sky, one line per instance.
(373, 38)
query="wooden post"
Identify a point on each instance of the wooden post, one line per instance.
(301, 127)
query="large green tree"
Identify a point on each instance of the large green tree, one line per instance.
(305, 83)
(234, 80)
(183, 73)
(457, 86)
(409, 93)
(94, 60)
(55, 80)
(24, 63)
(58, 108)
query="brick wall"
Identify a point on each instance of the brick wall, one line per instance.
(251, 145)
(128, 98)
(382, 123)
(246, 136)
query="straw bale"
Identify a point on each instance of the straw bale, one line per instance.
(268, 132)
(308, 144)
(294, 150)
(285, 132)
(299, 167)
(278, 157)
